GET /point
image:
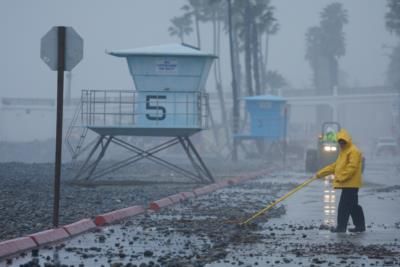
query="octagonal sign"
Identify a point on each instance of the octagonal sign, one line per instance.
(73, 48)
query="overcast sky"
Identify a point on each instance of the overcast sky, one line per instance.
(106, 24)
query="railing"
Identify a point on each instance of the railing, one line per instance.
(340, 91)
(117, 108)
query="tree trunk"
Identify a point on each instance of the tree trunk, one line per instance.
(214, 128)
(238, 67)
(256, 61)
(254, 35)
(333, 73)
(235, 108)
(247, 44)
(266, 51)
(264, 65)
(218, 82)
(196, 17)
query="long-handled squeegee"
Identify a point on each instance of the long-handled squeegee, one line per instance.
(279, 200)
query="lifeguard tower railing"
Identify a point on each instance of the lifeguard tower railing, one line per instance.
(114, 113)
(126, 108)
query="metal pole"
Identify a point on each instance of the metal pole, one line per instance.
(60, 95)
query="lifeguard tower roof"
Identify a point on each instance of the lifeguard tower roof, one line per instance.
(265, 97)
(167, 67)
(161, 50)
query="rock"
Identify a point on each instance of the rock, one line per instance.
(148, 253)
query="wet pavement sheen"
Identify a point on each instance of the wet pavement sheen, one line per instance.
(204, 231)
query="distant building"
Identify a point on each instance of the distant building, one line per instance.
(28, 119)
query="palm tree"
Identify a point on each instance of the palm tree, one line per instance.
(253, 19)
(334, 17)
(393, 16)
(275, 81)
(394, 68)
(181, 26)
(325, 44)
(393, 25)
(263, 23)
(314, 54)
(216, 10)
(270, 29)
(197, 9)
(213, 11)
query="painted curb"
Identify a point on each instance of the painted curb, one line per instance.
(216, 186)
(17, 245)
(79, 227)
(49, 236)
(117, 215)
(157, 205)
(235, 180)
(204, 190)
(223, 183)
(187, 195)
(177, 198)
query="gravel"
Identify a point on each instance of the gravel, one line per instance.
(26, 192)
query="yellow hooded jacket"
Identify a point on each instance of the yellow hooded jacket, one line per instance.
(347, 167)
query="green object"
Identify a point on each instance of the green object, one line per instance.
(330, 137)
(326, 150)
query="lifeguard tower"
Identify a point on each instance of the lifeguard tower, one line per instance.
(268, 116)
(169, 101)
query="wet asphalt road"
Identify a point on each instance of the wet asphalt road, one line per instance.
(205, 231)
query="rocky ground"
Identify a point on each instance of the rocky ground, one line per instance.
(26, 192)
(206, 231)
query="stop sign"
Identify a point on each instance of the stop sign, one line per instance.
(73, 48)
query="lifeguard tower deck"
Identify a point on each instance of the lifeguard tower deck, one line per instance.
(169, 101)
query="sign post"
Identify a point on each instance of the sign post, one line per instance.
(61, 49)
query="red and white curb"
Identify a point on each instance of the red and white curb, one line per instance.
(12, 247)
(118, 215)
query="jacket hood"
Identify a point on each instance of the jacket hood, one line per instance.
(343, 134)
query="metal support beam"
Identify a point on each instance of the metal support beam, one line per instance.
(89, 172)
(88, 168)
(203, 165)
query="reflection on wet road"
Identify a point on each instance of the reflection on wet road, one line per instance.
(329, 202)
(292, 234)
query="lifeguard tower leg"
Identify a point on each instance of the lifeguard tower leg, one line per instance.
(89, 169)
(199, 166)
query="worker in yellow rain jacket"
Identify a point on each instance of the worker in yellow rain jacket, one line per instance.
(347, 176)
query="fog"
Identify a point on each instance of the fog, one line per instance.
(129, 24)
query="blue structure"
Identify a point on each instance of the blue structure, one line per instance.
(169, 101)
(170, 67)
(169, 80)
(268, 116)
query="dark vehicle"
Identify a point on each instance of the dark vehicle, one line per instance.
(327, 148)
(386, 146)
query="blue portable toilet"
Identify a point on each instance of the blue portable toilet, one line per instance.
(268, 117)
